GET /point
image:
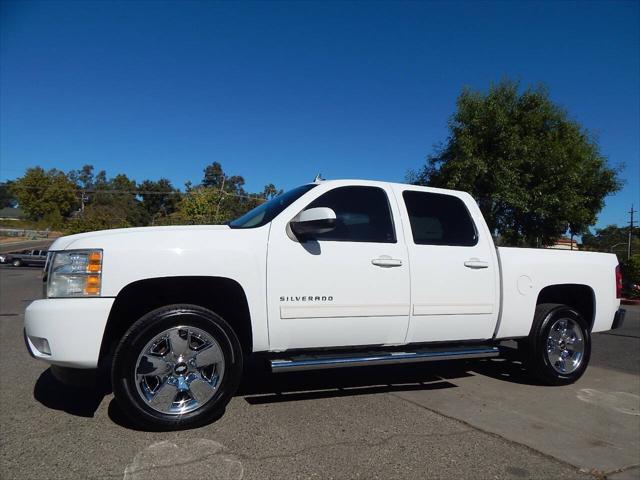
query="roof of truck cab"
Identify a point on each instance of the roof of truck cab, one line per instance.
(360, 181)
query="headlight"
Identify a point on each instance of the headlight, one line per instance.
(75, 273)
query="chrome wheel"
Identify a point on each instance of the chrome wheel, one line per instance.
(179, 370)
(565, 346)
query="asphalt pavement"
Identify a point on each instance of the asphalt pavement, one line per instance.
(482, 419)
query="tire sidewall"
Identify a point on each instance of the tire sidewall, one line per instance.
(542, 359)
(143, 331)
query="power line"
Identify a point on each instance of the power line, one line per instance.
(144, 192)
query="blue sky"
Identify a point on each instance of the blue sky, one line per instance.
(278, 92)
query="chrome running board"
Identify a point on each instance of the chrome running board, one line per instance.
(318, 362)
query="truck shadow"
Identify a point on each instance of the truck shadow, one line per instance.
(78, 401)
(259, 386)
(262, 387)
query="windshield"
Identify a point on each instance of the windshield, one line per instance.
(266, 212)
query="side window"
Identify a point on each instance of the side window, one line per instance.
(438, 219)
(362, 215)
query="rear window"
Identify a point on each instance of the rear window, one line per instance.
(438, 219)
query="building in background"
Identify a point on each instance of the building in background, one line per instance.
(9, 213)
(565, 243)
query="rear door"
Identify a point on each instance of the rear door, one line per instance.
(454, 271)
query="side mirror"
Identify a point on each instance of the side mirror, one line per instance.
(313, 221)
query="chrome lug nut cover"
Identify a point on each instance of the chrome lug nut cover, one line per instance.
(565, 346)
(179, 370)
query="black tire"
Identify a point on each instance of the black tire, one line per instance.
(534, 348)
(141, 333)
(16, 263)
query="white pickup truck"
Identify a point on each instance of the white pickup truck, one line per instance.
(330, 274)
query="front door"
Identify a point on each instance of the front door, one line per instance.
(346, 287)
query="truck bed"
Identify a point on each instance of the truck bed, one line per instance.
(524, 272)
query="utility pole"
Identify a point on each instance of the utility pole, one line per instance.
(631, 212)
(83, 199)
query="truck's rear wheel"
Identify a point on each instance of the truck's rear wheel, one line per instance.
(177, 367)
(559, 346)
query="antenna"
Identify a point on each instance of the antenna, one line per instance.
(318, 178)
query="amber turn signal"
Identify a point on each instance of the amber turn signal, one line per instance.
(95, 262)
(92, 286)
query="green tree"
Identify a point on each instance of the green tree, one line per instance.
(98, 217)
(270, 191)
(534, 172)
(109, 202)
(159, 198)
(232, 200)
(84, 180)
(83, 177)
(630, 270)
(49, 196)
(7, 199)
(93, 201)
(612, 239)
(120, 195)
(201, 206)
(213, 176)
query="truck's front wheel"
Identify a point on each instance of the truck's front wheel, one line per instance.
(176, 367)
(559, 346)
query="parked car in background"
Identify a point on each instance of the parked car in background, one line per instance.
(34, 258)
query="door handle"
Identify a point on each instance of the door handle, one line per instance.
(386, 261)
(476, 263)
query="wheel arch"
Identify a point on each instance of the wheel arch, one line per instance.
(222, 295)
(578, 296)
